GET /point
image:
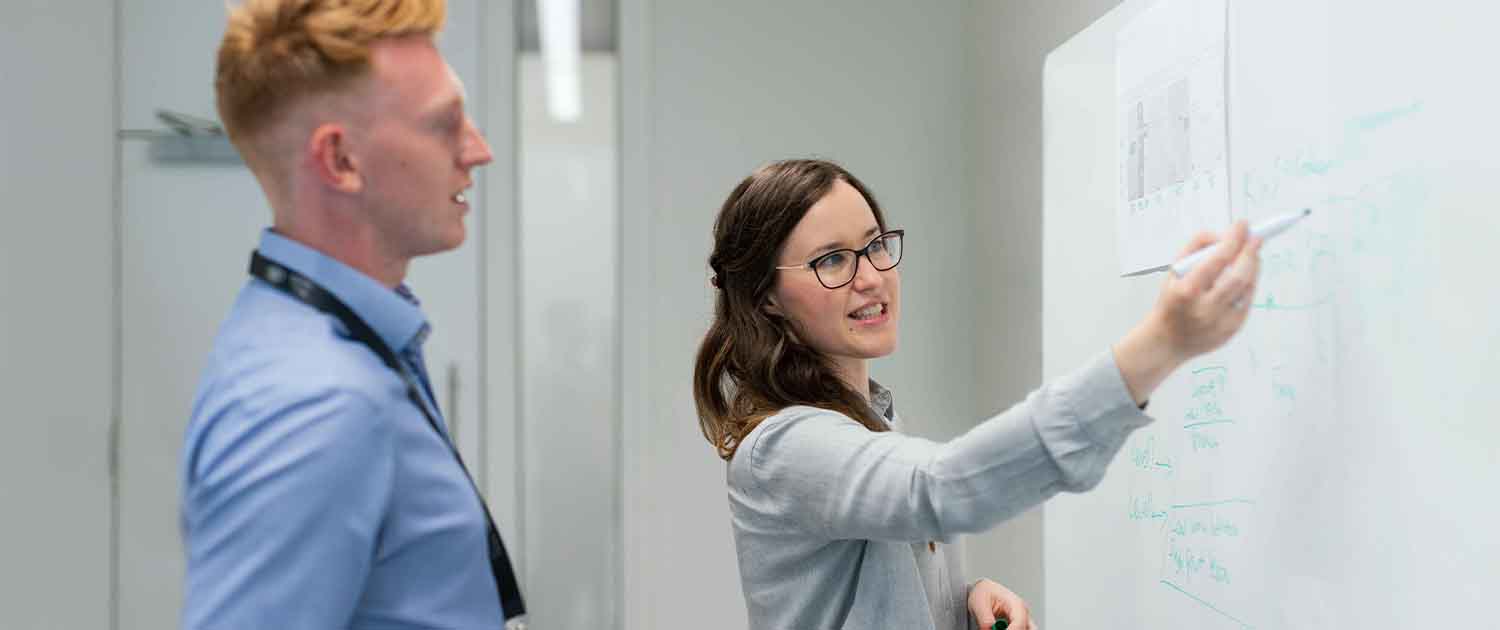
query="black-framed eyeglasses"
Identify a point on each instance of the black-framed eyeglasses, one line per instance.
(838, 267)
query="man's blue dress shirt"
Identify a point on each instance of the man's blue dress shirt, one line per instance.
(315, 494)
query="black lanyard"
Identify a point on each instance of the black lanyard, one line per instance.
(304, 290)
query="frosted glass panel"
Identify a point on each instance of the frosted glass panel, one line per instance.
(569, 253)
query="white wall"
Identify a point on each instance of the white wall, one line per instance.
(1005, 44)
(876, 85)
(57, 296)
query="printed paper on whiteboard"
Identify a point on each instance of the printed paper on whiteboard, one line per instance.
(1173, 157)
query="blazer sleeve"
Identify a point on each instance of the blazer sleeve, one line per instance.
(819, 472)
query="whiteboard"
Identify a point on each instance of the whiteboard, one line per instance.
(1335, 465)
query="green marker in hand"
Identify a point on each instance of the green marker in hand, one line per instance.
(1001, 624)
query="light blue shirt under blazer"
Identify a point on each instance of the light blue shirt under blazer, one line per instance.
(314, 493)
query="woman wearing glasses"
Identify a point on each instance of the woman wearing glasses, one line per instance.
(840, 521)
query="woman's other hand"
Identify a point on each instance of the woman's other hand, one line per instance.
(988, 601)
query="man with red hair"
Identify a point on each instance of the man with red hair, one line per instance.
(320, 487)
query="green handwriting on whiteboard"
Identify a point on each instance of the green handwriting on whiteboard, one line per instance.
(1263, 186)
(1207, 605)
(1371, 122)
(1270, 304)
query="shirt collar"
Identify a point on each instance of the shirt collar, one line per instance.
(883, 402)
(395, 317)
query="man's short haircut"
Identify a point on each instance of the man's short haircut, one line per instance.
(277, 52)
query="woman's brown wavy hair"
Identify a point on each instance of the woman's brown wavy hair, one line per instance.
(751, 363)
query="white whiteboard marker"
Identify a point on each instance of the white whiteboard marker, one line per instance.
(1264, 230)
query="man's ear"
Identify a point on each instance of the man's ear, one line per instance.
(329, 152)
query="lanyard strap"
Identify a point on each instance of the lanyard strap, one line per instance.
(304, 290)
